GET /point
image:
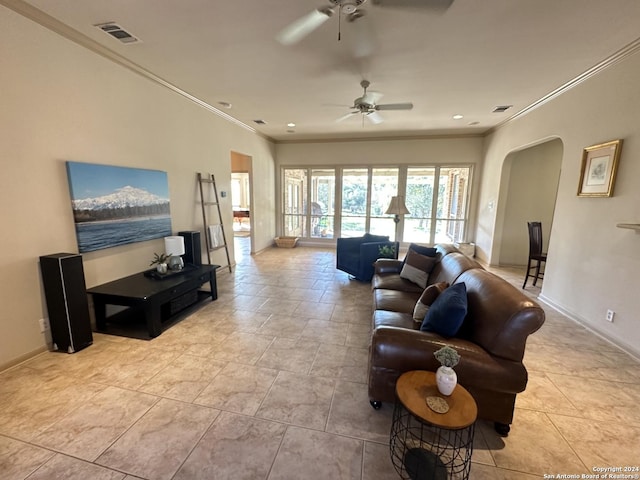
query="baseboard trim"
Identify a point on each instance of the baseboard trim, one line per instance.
(23, 358)
(628, 349)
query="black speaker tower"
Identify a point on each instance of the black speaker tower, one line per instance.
(192, 248)
(67, 304)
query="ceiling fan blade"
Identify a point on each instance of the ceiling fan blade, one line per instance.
(348, 115)
(374, 117)
(395, 106)
(302, 27)
(371, 98)
(438, 6)
(360, 37)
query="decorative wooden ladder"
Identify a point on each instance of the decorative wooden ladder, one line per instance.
(211, 240)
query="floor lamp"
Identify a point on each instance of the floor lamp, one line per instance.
(397, 208)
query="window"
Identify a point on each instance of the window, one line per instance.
(240, 190)
(436, 196)
(323, 186)
(451, 212)
(384, 185)
(295, 192)
(308, 202)
(355, 188)
(419, 201)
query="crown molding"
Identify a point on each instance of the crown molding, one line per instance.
(56, 26)
(617, 57)
(392, 138)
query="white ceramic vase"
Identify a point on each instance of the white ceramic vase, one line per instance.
(162, 268)
(446, 380)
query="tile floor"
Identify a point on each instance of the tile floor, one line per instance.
(268, 382)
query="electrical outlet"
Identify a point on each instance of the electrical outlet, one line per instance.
(44, 325)
(610, 315)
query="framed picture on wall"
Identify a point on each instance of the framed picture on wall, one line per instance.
(599, 167)
(115, 205)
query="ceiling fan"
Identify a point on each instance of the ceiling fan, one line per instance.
(367, 105)
(352, 11)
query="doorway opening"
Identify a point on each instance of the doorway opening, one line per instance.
(528, 191)
(241, 201)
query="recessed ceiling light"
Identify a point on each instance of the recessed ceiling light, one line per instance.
(260, 121)
(474, 123)
(457, 116)
(502, 108)
(224, 104)
(291, 131)
(291, 124)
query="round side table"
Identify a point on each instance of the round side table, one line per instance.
(429, 445)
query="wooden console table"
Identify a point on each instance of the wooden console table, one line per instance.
(158, 299)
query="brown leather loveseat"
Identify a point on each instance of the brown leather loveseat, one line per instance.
(491, 341)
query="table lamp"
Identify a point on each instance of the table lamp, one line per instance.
(397, 208)
(174, 246)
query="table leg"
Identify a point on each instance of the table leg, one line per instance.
(152, 317)
(213, 282)
(100, 311)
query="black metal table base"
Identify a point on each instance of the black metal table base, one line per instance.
(421, 451)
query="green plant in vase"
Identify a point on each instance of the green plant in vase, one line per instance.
(387, 251)
(446, 377)
(160, 259)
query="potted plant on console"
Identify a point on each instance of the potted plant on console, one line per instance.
(160, 259)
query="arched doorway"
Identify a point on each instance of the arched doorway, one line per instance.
(528, 191)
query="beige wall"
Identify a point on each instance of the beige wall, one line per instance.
(592, 265)
(62, 102)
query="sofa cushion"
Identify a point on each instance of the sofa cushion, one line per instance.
(447, 313)
(395, 300)
(393, 281)
(426, 300)
(417, 268)
(384, 318)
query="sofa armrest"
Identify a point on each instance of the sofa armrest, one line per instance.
(388, 265)
(369, 253)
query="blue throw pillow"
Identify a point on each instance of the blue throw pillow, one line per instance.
(426, 251)
(447, 313)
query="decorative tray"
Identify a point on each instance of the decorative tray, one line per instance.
(153, 273)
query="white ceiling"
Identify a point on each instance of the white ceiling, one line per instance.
(475, 56)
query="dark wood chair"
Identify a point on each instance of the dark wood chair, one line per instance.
(535, 253)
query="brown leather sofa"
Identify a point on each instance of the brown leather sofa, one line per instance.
(491, 341)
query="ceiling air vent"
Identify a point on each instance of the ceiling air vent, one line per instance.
(260, 122)
(502, 108)
(117, 32)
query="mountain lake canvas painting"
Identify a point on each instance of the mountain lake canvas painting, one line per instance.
(117, 205)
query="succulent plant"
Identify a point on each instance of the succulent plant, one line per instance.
(159, 258)
(447, 356)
